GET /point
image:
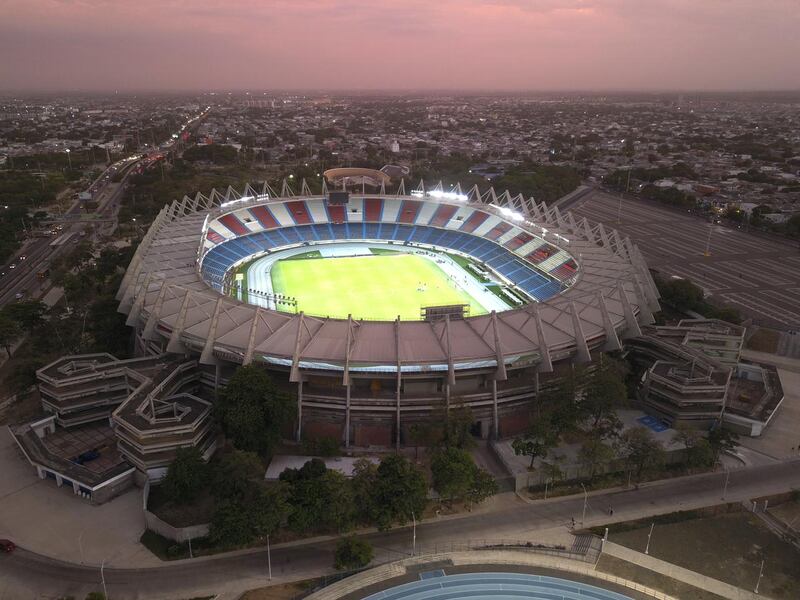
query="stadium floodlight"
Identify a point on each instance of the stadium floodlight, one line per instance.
(507, 212)
(448, 195)
(237, 201)
(418, 193)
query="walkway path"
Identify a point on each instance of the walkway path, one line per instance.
(697, 580)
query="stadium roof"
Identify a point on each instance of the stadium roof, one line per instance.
(163, 291)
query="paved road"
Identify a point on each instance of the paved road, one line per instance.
(24, 574)
(758, 274)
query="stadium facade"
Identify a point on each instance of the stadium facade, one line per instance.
(584, 289)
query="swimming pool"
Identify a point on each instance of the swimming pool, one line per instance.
(494, 586)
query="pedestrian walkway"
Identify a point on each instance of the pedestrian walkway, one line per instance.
(703, 582)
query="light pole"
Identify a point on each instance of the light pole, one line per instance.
(585, 500)
(725, 489)
(80, 545)
(708, 240)
(647, 548)
(269, 560)
(760, 575)
(69, 159)
(413, 534)
(103, 578)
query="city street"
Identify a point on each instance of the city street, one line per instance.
(24, 574)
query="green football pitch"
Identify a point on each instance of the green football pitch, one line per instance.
(378, 286)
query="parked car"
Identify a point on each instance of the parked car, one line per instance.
(7, 546)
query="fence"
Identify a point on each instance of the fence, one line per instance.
(164, 529)
(586, 550)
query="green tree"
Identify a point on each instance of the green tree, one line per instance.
(681, 294)
(483, 487)
(402, 492)
(186, 476)
(537, 442)
(321, 499)
(604, 393)
(233, 472)
(252, 410)
(593, 454)
(258, 512)
(352, 553)
(641, 451)
(26, 314)
(722, 440)
(453, 473)
(9, 333)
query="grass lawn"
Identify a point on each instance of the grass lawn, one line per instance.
(379, 286)
(728, 547)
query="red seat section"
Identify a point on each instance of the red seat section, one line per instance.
(234, 224)
(299, 212)
(443, 215)
(265, 217)
(373, 207)
(498, 230)
(565, 270)
(520, 240)
(214, 236)
(408, 211)
(473, 221)
(542, 252)
(336, 213)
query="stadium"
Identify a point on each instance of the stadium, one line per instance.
(375, 308)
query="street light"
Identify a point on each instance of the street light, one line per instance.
(760, 575)
(69, 158)
(269, 560)
(585, 500)
(103, 578)
(413, 534)
(647, 548)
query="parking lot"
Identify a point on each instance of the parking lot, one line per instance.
(758, 275)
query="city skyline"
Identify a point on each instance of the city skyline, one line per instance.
(467, 45)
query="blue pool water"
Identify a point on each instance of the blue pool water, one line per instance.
(496, 586)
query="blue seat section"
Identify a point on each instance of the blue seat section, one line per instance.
(533, 282)
(493, 586)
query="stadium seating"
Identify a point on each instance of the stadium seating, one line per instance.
(219, 259)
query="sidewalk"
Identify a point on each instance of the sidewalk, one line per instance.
(692, 578)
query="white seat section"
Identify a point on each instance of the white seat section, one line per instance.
(552, 262)
(355, 209)
(529, 247)
(509, 235)
(221, 230)
(281, 213)
(425, 214)
(487, 226)
(391, 208)
(462, 214)
(317, 210)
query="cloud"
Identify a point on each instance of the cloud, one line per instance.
(478, 44)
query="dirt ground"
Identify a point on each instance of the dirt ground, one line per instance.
(788, 512)
(726, 547)
(631, 572)
(285, 591)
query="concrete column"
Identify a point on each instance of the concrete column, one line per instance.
(76, 489)
(40, 472)
(347, 419)
(59, 481)
(495, 420)
(299, 409)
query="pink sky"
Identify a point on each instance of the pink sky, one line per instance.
(399, 44)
